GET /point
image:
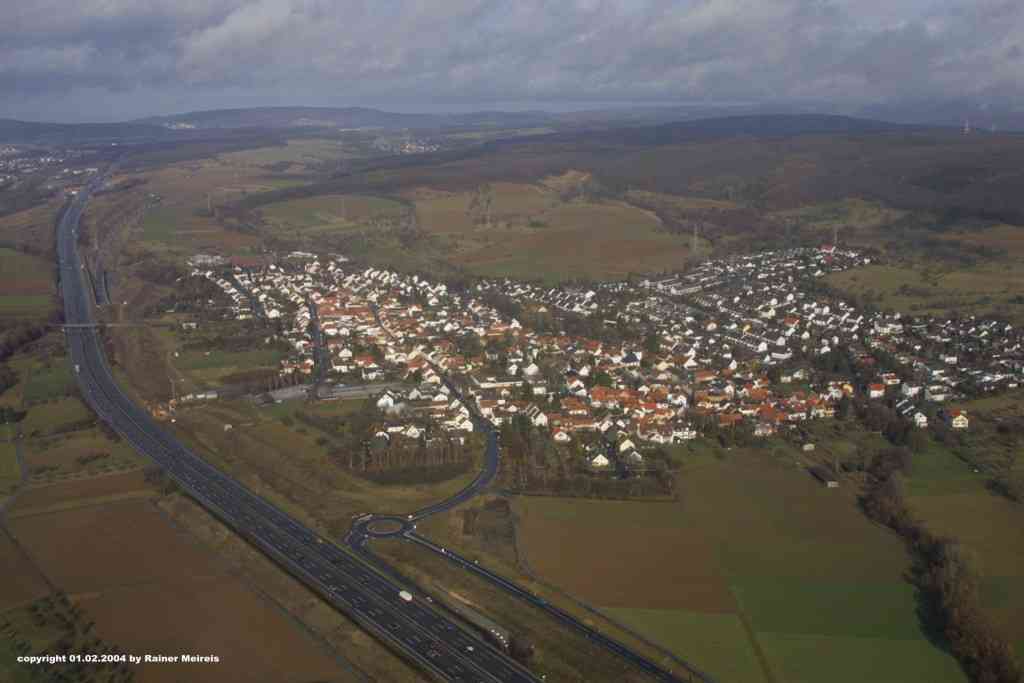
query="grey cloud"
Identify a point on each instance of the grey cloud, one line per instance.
(216, 53)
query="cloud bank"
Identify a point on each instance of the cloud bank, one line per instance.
(117, 59)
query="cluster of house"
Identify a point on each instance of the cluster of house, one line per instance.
(19, 163)
(583, 301)
(405, 145)
(739, 341)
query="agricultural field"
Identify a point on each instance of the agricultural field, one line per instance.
(10, 471)
(681, 202)
(170, 227)
(25, 306)
(990, 527)
(960, 269)
(753, 541)
(53, 623)
(51, 380)
(55, 415)
(707, 640)
(297, 154)
(358, 649)
(534, 232)
(559, 653)
(1005, 239)
(326, 214)
(179, 198)
(80, 454)
(22, 582)
(519, 229)
(494, 134)
(204, 369)
(24, 274)
(991, 287)
(955, 501)
(122, 561)
(856, 221)
(31, 230)
(73, 494)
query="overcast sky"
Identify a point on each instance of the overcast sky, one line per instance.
(104, 60)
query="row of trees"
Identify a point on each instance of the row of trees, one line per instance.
(12, 341)
(944, 575)
(69, 630)
(18, 337)
(533, 464)
(193, 295)
(353, 442)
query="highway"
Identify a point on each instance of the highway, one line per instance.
(657, 672)
(429, 639)
(405, 528)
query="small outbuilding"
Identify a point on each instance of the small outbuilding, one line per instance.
(825, 476)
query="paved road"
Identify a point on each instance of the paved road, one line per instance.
(391, 526)
(321, 359)
(424, 636)
(687, 673)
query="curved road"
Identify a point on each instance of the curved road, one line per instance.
(363, 530)
(424, 636)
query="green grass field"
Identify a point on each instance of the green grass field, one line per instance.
(953, 500)
(801, 604)
(580, 240)
(202, 360)
(324, 408)
(987, 288)
(45, 418)
(25, 306)
(57, 457)
(937, 471)
(801, 658)
(533, 232)
(31, 228)
(24, 274)
(713, 642)
(499, 133)
(10, 472)
(989, 525)
(47, 383)
(329, 213)
(856, 219)
(751, 539)
(161, 224)
(297, 151)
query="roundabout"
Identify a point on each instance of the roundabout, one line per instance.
(384, 526)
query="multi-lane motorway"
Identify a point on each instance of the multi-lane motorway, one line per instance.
(428, 638)
(367, 527)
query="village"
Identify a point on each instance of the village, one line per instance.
(751, 345)
(18, 164)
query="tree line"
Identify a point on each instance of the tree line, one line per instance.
(353, 442)
(944, 576)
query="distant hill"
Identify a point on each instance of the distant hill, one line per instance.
(362, 117)
(75, 133)
(752, 125)
(994, 117)
(347, 117)
(626, 126)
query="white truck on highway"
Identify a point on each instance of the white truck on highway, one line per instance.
(405, 595)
